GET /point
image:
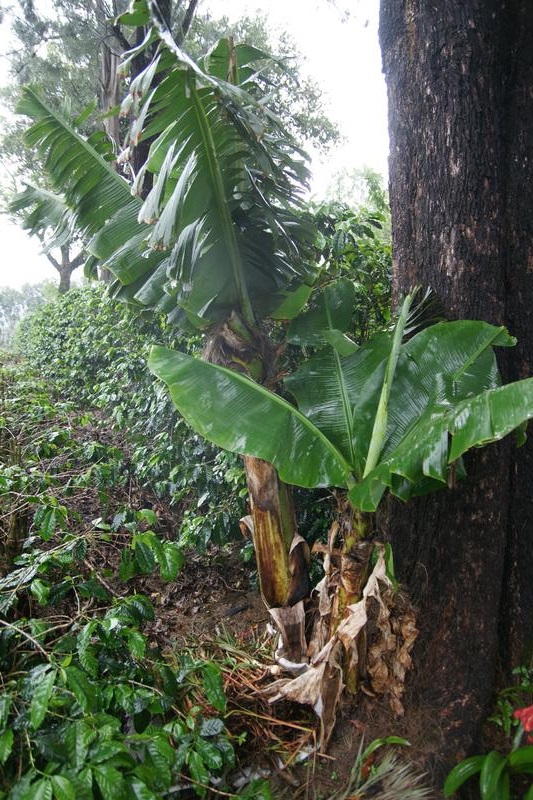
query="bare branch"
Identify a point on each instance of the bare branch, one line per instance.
(52, 260)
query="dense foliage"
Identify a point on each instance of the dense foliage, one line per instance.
(355, 244)
(89, 707)
(60, 49)
(95, 350)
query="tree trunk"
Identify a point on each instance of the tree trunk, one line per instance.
(65, 272)
(65, 267)
(282, 555)
(460, 83)
(273, 530)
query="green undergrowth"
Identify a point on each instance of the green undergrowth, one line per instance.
(89, 706)
(93, 351)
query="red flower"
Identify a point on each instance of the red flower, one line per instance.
(525, 715)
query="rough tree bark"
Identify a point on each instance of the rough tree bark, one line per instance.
(460, 85)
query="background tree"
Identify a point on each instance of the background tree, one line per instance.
(359, 188)
(72, 50)
(17, 303)
(460, 79)
(63, 52)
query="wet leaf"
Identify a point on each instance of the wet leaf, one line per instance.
(41, 697)
(213, 685)
(6, 745)
(461, 773)
(170, 561)
(62, 787)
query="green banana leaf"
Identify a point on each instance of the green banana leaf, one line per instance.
(239, 415)
(88, 183)
(335, 373)
(224, 227)
(225, 203)
(338, 394)
(445, 398)
(327, 319)
(98, 199)
(45, 215)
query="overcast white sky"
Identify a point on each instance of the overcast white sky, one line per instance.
(341, 52)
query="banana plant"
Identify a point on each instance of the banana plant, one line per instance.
(221, 243)
(395, 414)
(44, 214)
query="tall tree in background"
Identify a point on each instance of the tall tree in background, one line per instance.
(17, 303)
(460, 82)
(71, 50)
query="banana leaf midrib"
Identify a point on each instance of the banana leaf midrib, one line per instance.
(345, 400)
(475, 355)
(166, 364)
(284, 403)
(379, 430)
(228, 229)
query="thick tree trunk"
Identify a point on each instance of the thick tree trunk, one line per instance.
(517, 618)
(64, 280)
(460, 83)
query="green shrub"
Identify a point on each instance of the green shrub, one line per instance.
(89, 707)
(93, 350)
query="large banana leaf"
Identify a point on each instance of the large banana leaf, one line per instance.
(445, 384)
(225, 199)
(338, 394)
(445, 397)
(98, 198)
(45, 215)
(239, 415)
(88, 183)
(223, 227)
(341, 378)
(421, 461)
(438, 375)
(326, 319)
